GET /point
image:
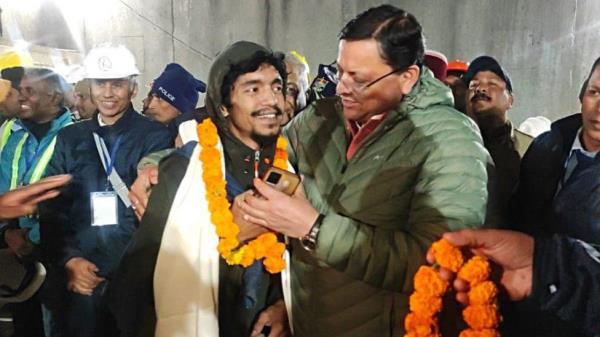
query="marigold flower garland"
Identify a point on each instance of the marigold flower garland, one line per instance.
(265, 246)
(425, 303)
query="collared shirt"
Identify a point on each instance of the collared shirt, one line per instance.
(571, 162)
(100, 121)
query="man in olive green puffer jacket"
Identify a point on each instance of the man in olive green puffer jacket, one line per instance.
(387, 166)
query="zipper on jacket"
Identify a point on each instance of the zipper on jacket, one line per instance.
(256, 162)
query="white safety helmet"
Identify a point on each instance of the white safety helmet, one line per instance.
(19, 281)
(106, 62)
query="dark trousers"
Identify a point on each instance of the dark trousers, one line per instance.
(89, 316)
(27, 318)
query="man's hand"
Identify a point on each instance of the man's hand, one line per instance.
(247, 230)
(140, 190)
(16, 239)
(23, 200)
(82, 276)
(289, 215)
(512, 251)
(274, 316)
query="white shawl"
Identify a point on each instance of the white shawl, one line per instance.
(186, 276)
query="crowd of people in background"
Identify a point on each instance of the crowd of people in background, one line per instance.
(108, 228)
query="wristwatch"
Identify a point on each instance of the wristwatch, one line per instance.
(309, 241)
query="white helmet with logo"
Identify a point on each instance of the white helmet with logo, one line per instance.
(106, 62)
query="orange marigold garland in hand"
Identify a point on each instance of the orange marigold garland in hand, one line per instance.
(425, 303)
(265, 246)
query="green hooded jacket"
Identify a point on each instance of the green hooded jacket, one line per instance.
(420, 173)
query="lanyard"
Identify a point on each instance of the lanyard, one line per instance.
(108, 160)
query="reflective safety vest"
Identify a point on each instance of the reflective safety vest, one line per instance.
(40, 166)
(6, 131)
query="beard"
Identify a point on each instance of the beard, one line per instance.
(266, 139)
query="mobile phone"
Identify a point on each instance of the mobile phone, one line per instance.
(282, 180)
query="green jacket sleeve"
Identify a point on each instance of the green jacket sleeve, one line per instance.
(450, 193)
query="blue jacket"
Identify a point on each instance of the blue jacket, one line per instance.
(66, 220)
(24, 160)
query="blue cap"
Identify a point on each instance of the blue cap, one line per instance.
(178, 87)
(487, 63)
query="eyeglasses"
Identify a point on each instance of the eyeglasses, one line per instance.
(361, 87)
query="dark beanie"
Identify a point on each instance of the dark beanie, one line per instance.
(487, 63)
(178, 87)
(14, 75)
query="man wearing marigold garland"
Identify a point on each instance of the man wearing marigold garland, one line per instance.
(388, 166)
(172, 281)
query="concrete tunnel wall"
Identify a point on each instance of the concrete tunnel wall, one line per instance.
(547, 46)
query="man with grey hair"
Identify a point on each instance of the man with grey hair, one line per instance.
(297, 85)
(86, 229)
(23, 161)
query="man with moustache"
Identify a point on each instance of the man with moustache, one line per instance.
(387, 167)
(172, 280)
(86, 229)
(489, 98)
(558, 194)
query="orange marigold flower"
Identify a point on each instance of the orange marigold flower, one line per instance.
(236, 256)
(274, 265)
(428, 281)
(262, 243)
(481, 317)
(281, 143)
(221, 216)
(275, 250)
(226, 245)
(424, 305)
(476, 270)
(228, 230)
(446, 255)
(479, 333)
(422, 325)
(483, 293)
(280, 163)
(210, 154)
(247, 256)
(217, 204)
(208, 135)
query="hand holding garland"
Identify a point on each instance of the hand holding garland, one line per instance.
(512, 251)
(425, 303)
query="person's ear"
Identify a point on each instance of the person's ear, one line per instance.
(134, 92)
(409, 78)
(510, 100)
(224, 111)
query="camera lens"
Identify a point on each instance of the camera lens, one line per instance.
(273, 178)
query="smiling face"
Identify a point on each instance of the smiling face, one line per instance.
(363, 90)
(590, 113)
(256, 108)
(112, 97)
(39, 103)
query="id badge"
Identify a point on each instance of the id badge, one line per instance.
(104, 208)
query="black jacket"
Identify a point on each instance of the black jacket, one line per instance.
(566, 281)
(537, 210)
(65, 221)
(542, 168)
